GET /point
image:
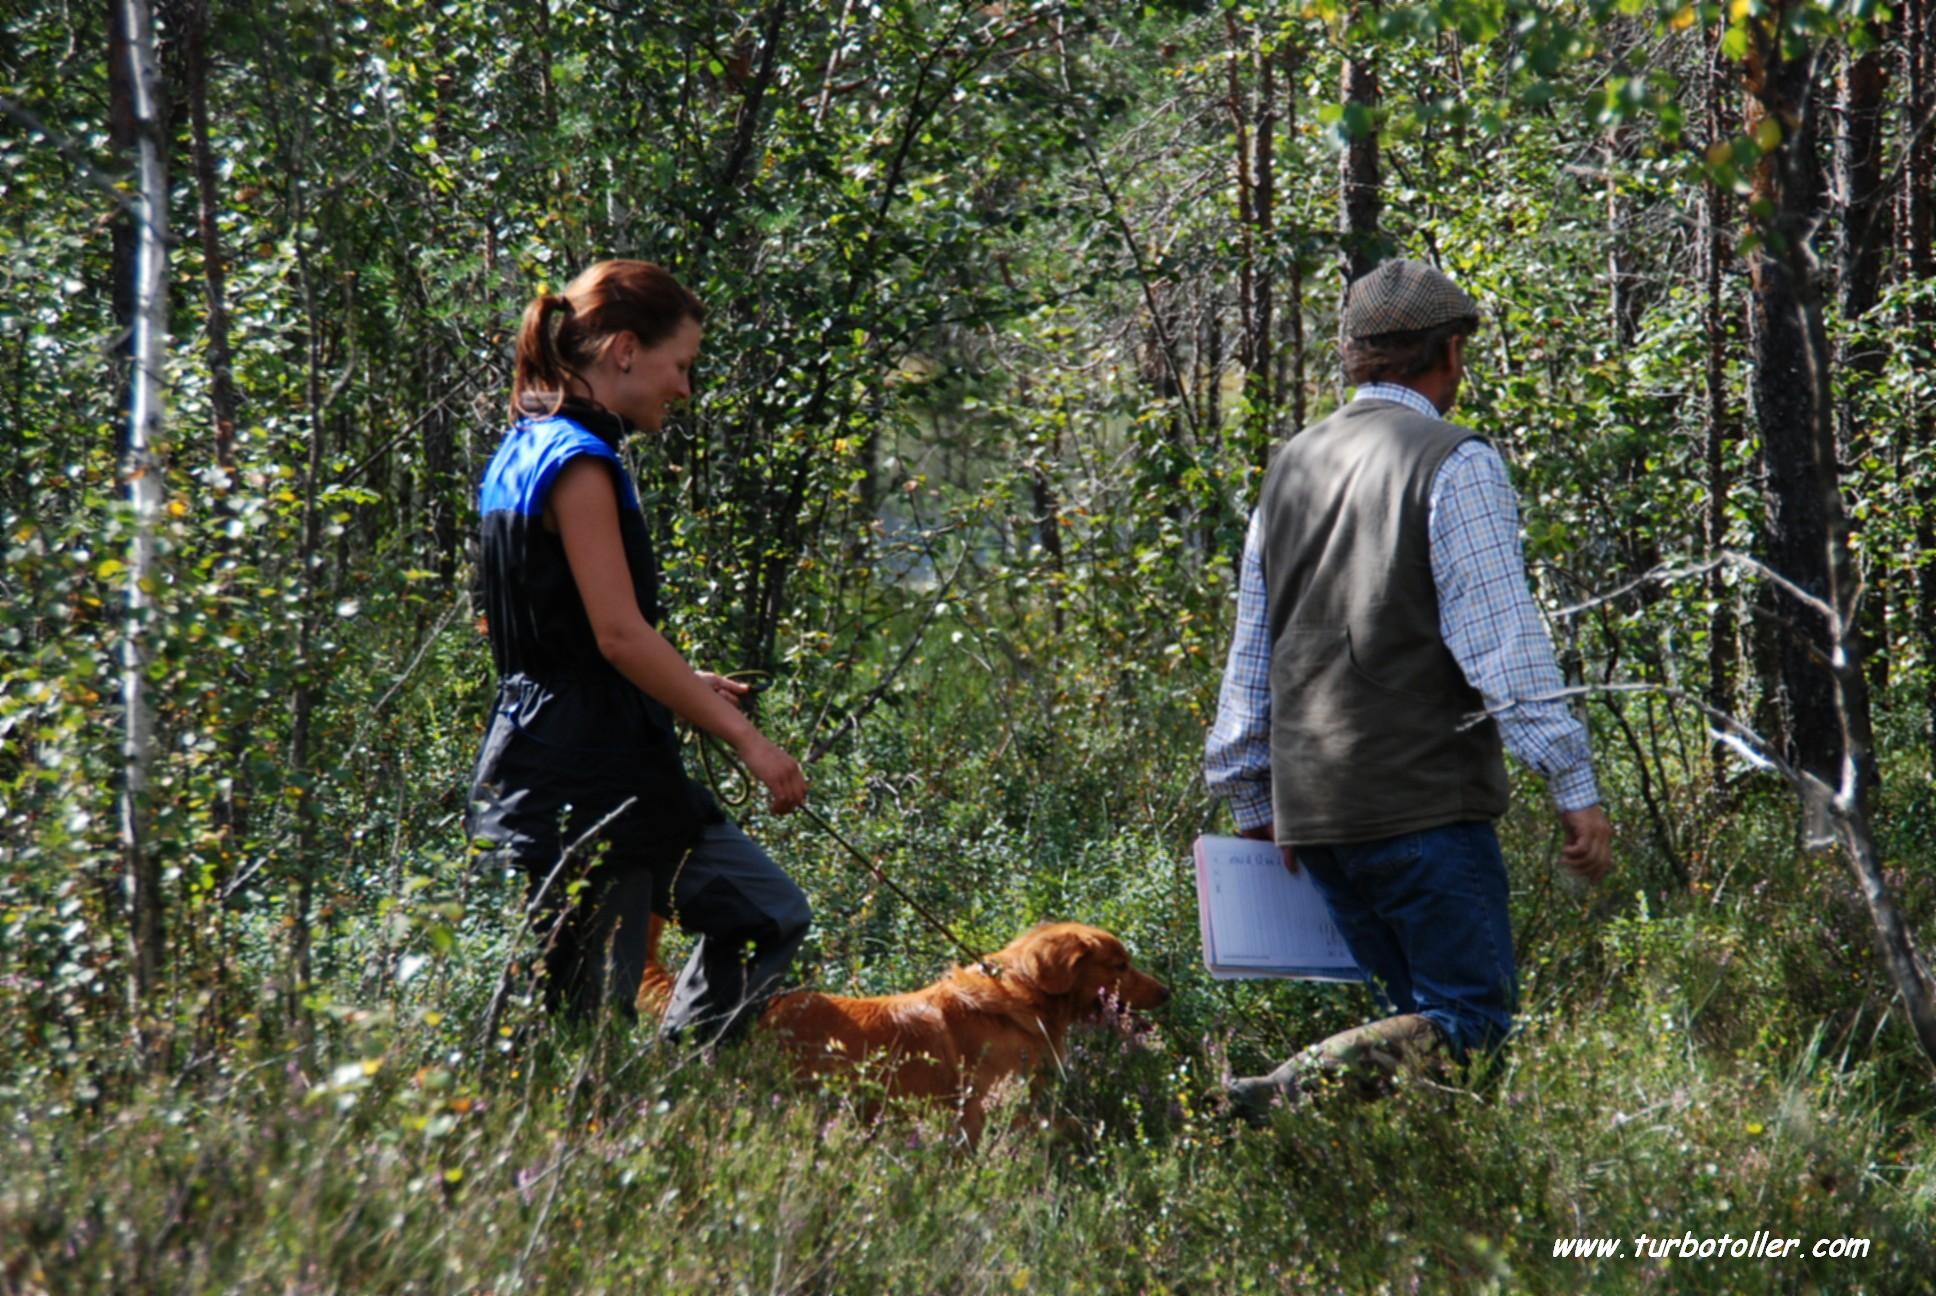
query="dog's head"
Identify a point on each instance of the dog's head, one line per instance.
(1081, 963)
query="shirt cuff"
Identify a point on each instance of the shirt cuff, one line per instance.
(1250, 805)
(1574, 789)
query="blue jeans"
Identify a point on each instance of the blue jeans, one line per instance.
(1425, 914)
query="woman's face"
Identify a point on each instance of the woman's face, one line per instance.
(651, 378)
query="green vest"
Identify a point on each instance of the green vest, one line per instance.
(1372, 731)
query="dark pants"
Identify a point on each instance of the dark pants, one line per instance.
(1425, 914)
(749, 916)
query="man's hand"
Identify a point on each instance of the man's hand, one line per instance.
(1588, 851)
(1267, 832)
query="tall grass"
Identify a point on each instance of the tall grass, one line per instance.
(1712, 1059)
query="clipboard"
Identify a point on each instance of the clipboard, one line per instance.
(1259, 919)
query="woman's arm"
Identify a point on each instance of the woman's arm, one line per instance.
(585, 505)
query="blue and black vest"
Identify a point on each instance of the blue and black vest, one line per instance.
(570, 738)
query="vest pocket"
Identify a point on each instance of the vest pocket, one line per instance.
(1406, 666)
(1304, 654)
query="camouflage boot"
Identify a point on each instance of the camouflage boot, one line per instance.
(1362, 1060)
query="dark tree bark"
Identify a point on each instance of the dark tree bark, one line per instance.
(1809, 528)
(1623, 301)
(1042, 493)
(322, 323)
(1258, 363)
(1807, 525)
(224, 405)
(122, 137)
(1641, 544)
(1864, 198)
(1254, 117)
(1210, 358)
(1290, 351)
(1246, 189)
(751, 109)
(1360, 195)
(1863, 230)
(1165, 373)
(1715, 218)
(1919, 255)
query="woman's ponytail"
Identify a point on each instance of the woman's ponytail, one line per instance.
(540, 369)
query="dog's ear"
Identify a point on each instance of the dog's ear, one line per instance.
(1051, 960)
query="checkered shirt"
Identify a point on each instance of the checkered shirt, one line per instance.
(1486, 616)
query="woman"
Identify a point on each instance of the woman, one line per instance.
(587, 686)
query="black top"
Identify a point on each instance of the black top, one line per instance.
(569, 738)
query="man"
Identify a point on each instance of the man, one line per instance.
(1385, 644)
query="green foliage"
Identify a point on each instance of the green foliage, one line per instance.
(976, 436)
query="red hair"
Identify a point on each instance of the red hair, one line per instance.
(563, 333)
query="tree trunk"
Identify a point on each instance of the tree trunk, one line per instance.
(1641, 544)
(1290, 355)
(1919, 255)
(1255, 120)
(142, 473)
(746, 126)
(1793, 407)
(1863, 227)
(1210, 363)
(221, 369)
(1714, 320)
(1623, 303)
(1865, 211)
(1247, 270)
(1360, 197)
(1262, 398)
(309, 672)
(124, 138)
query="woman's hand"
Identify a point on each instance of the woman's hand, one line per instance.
(773, 767)
(730, 689)
(587, 511)
(764, 758)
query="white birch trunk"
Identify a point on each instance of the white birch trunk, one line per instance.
(142, 473)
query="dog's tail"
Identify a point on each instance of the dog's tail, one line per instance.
(655, 983)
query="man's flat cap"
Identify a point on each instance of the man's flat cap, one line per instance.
(1403, 297)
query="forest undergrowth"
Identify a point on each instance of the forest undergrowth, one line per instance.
(1007, 306)
(1706, 1060)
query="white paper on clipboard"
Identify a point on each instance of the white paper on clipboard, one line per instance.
(1261, 920)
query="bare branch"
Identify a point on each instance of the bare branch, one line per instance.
(1766, 750)
(1728, 558)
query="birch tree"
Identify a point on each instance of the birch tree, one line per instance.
(141, 475)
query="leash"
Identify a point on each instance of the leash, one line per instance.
(706, 746)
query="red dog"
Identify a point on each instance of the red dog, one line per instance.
(959, 1039)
